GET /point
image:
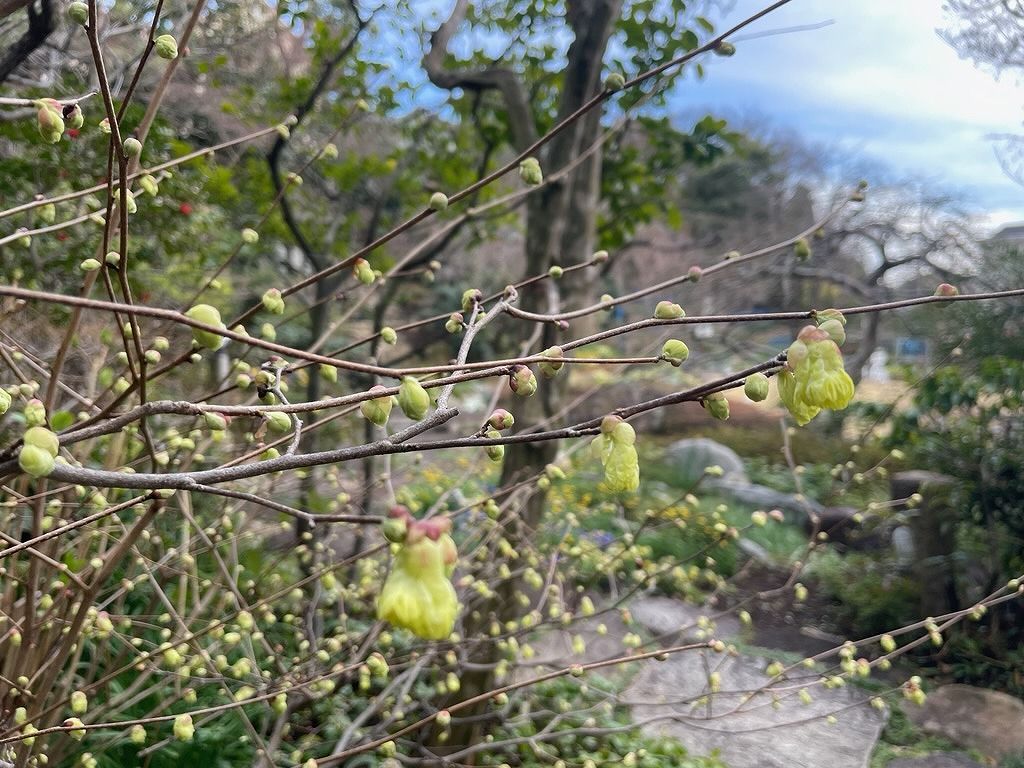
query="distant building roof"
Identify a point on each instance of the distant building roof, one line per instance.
(1010, 232)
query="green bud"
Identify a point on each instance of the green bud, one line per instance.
(40, 437)
(494, 452)
(215, 421)
(470, 298)
(47, 213)
(388, 335)
(413, 399)
(438, 201)
(79, 13)
(329, 373)
(132, 147)
(79, 703)
(802, 249)
(530, 172)
(250, 236)
(455, 323)
(667, 310)
(394, 529)
(113, 258)
(522, 381)
(184, 730)
(550, 369)
(90, 265)
(725, 49)
(501, 419)
(278, 421)
(363, 271)
(835, 330)
(49, 121)
(717, 405)
(273, 302)
(756, 387)
(166, 47)
(614, 82)
(204, 313)
(35, 413)
(694, 273)
(149, 185)
(675, 352)
(137, 734)
(5, 401)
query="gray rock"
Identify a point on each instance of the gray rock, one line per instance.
(688, 458)
(664, 696)
(670, 617)
(989, 721)
(796, 508)
(936, 760)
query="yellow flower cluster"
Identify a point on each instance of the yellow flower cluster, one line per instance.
(418, 594)
(814, 377)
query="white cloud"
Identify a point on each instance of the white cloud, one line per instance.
(878, 78)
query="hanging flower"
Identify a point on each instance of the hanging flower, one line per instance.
(617, 452)
(814, 377)
(418, 594)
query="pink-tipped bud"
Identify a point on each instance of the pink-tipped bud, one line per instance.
(455, 322)
(522, 381)
(363, 271)
(550, 369)
(694, 273)
(501, 419)
(945, 289)
(470, 298)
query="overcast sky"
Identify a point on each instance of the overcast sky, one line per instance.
(878, 82)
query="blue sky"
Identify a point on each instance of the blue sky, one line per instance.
(877, 83)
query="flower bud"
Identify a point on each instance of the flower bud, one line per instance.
(166, 47)
(438, 201)
(328, 373)
(413, 399)
(378, 410)
(945, 289)
(555, 272)
(40, 437)
(388, 335)
(35, 413)
(79, 13)
(717, 405)
(599, 257)
(250, 236)
(614, 82)
(550, 369)
(756, 387)
(5, 401)
(90, 265)
(666, 310)
(137, 734)
(79, 703)
(132, 147)
(363, 271)
(273, 301)
(694, 273)
(444, 718)
(470, 298)
(888, 643)
(835, 330)
(522, 381)
(530, 172)
(725, 49)
(395, 529)
(149, 185)
(278, 421)
(802, 249)
(184, 730)
(494, 452)
(104, 126)
(76, 732)
(204, 313)
(49, 121)
(675, 352)
(455, 322)
(501, 419)
(215, 422)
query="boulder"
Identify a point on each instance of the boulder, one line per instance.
(989, 721)
(664, 697)
(688, 458)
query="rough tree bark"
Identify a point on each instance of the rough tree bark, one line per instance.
(560, 228)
